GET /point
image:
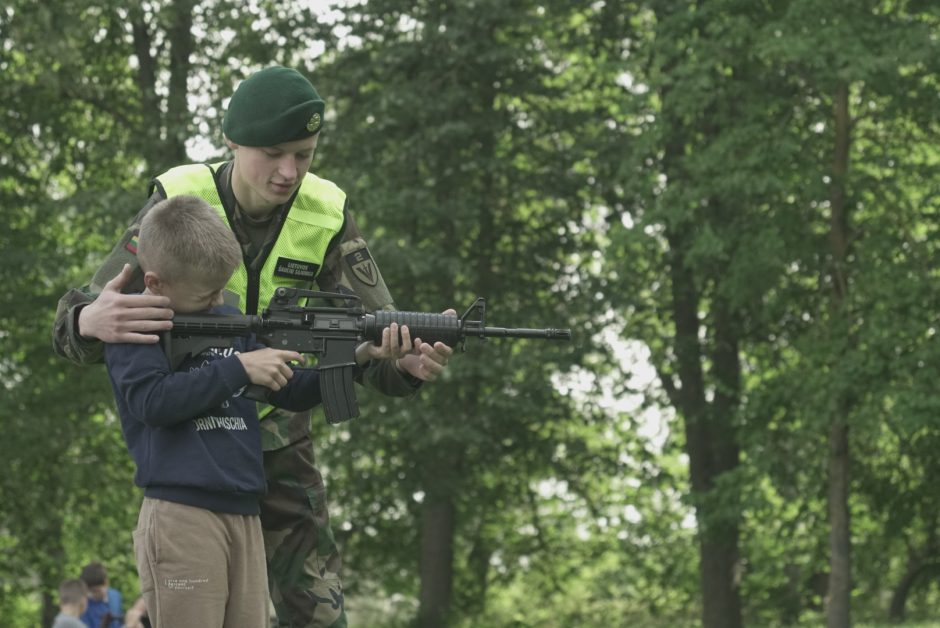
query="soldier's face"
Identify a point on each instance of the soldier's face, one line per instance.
(265, 177)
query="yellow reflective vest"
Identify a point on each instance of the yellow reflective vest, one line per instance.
(305, 232)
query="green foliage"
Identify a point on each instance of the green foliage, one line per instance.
(562, 161)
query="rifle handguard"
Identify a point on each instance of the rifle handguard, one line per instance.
(428, 327)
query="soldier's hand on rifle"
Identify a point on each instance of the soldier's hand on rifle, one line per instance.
(426, 362)
(396, 343)
(269, 367)
(117, 317)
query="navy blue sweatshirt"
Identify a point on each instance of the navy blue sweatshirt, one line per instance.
(194, 439)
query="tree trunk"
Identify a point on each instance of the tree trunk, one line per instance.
(721, 559)
(164, 136)
(146, 79)
(438, 518)
(178, 117)
(896, 610)
(50, 608)
(710, 443)
(920, 564)
(840, 565)
(840, 550)
(720, 586)
(440, 478)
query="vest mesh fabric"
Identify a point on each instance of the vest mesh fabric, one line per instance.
(315, 217)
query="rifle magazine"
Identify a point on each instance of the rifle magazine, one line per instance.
(339, 395)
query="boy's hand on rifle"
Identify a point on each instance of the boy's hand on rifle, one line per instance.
(426, 362)
(269, 367)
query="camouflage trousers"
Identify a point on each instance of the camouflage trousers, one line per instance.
(303, 560)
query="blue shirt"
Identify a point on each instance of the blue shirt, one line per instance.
(95, 613)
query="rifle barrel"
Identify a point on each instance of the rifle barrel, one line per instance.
(505, 332)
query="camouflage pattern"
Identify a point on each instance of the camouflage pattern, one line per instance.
(303, 560)
(65, 339)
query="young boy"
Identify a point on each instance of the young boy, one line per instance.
(194, 439)
(73, 598)
(104, 602)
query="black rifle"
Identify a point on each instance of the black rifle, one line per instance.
(332, 334)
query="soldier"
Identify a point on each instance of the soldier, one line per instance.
(295, 229)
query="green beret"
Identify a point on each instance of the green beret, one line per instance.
(273, 106)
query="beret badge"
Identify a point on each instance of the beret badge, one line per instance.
(314, 123)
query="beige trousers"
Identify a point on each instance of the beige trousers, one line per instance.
(200, 569)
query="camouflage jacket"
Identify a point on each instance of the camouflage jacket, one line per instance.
(348, 266)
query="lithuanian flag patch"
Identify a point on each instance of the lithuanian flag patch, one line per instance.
(132, 244)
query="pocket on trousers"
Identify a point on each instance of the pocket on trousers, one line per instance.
(143, 552)
(144, 572)
(327, 553)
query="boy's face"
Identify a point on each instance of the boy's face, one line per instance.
(266, 177)
(188, 296)
(98, 593)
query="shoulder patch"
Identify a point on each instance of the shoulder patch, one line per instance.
(363, 267)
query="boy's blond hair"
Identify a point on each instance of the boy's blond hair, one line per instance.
(183, 237)
(72, 592)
